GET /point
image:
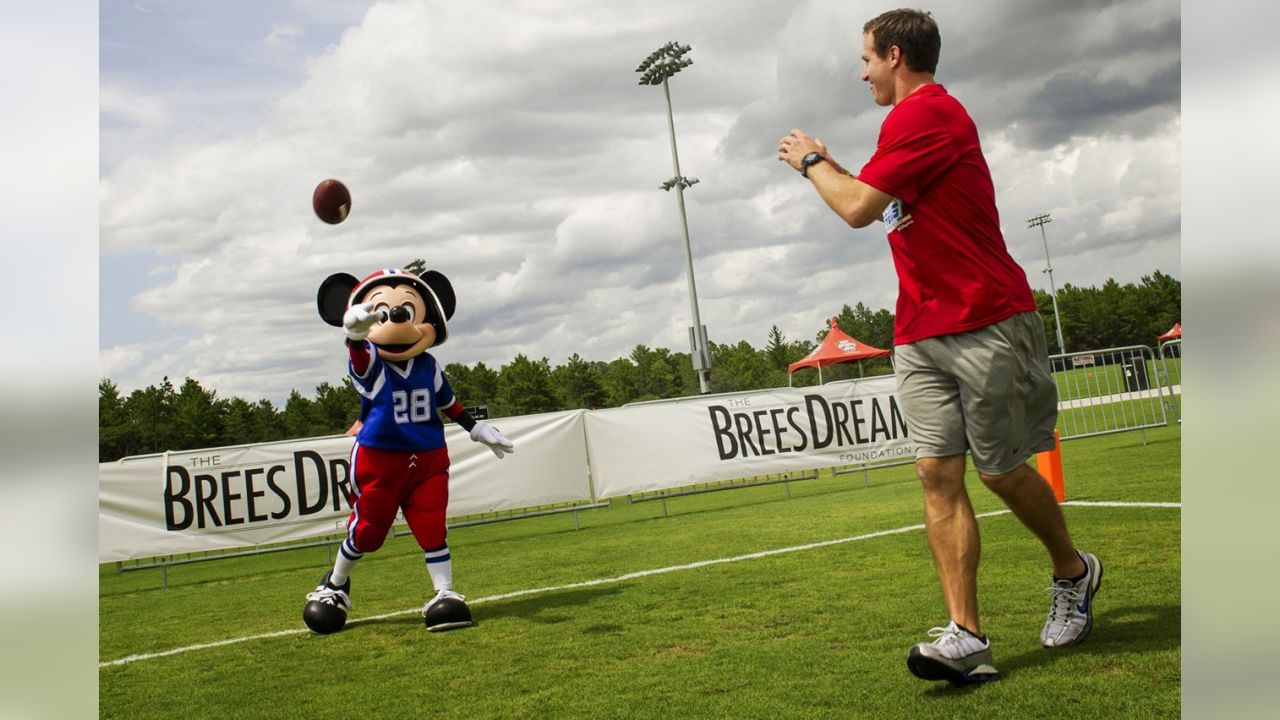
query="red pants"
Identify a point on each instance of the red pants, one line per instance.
(385, 481)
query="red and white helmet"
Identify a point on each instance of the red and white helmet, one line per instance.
(341, 290)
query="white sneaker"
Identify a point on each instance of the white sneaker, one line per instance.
(441, 596)
(327, 606)
(446, 611)
(1071, 611)
(956, 655)
(333, 596)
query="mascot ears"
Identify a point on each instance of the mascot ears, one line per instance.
(443, 290)
(333, 295)
(339, 290)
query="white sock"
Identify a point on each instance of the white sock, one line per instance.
(440, 567)
(348, 556)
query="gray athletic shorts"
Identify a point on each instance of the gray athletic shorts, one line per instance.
(988, 391)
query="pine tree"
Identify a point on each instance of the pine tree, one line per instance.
(777, 349)
(197, 417)
(334, 408)
(113, 439)
(524, 387)
(577, 385)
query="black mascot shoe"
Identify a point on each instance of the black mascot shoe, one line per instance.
(326, 608)
(446, 611)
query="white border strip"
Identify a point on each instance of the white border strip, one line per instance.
(611, 580)
(1088, 503)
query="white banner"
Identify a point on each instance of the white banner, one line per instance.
(245, 496)
(258, 494)
(696, 440)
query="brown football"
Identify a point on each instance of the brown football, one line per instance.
(331, 201)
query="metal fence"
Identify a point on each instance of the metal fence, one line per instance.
(1171, 374)
(1109, 391)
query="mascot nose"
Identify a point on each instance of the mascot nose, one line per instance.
(399, 314)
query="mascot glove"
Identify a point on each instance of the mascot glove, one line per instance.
(359, 320)
(485, 433)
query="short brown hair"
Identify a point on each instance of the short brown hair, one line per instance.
(913, 31)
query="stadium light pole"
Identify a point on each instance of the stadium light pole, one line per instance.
(656, 69)
(1040, 221)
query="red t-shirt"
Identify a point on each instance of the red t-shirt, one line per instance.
(954, 271)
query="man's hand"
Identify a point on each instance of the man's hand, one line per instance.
(793, 148)
(485, 433)
(358, 320)
(797, 144)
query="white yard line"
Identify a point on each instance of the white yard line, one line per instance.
(608, 580)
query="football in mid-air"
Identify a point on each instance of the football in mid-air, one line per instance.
(331, 201)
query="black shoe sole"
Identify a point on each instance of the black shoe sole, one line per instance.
(927, 668)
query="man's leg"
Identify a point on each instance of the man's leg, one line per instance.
(960, 652)
(952, 531)
(931, 403)
(1077, 576)
(1031, 499)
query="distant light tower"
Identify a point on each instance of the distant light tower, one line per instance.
(1040, 221)
(661, 64)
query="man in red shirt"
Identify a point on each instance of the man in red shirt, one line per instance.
(970, 352)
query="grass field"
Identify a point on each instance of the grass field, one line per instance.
(817, 632)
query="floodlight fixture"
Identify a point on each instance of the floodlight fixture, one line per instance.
(1040, 221)
(663, 63)
(657, 69)
(682, 182)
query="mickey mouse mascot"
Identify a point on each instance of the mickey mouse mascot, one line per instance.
(399, 462)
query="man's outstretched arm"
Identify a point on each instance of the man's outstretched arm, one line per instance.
(856, 202)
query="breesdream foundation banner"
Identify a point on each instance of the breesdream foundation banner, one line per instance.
(663, 445)
(241, 497)
(238, 497)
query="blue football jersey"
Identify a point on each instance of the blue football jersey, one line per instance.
(399, 406)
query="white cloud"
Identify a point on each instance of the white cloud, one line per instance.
(135, 107)
(113, 362)
(283, 34)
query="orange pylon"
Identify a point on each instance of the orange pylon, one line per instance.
(1049, 463)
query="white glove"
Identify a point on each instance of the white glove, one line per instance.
(485, 433)
(358, 320)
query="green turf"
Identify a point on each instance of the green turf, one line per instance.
(814, 633)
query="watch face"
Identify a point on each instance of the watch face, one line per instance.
(810, 160)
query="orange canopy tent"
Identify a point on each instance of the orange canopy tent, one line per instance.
(837, 347)
(1175, 333)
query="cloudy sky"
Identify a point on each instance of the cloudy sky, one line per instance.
(509, 145)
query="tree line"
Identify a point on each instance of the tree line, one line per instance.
(190, 416)
(1114, 315)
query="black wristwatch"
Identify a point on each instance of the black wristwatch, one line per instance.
(809, 161)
